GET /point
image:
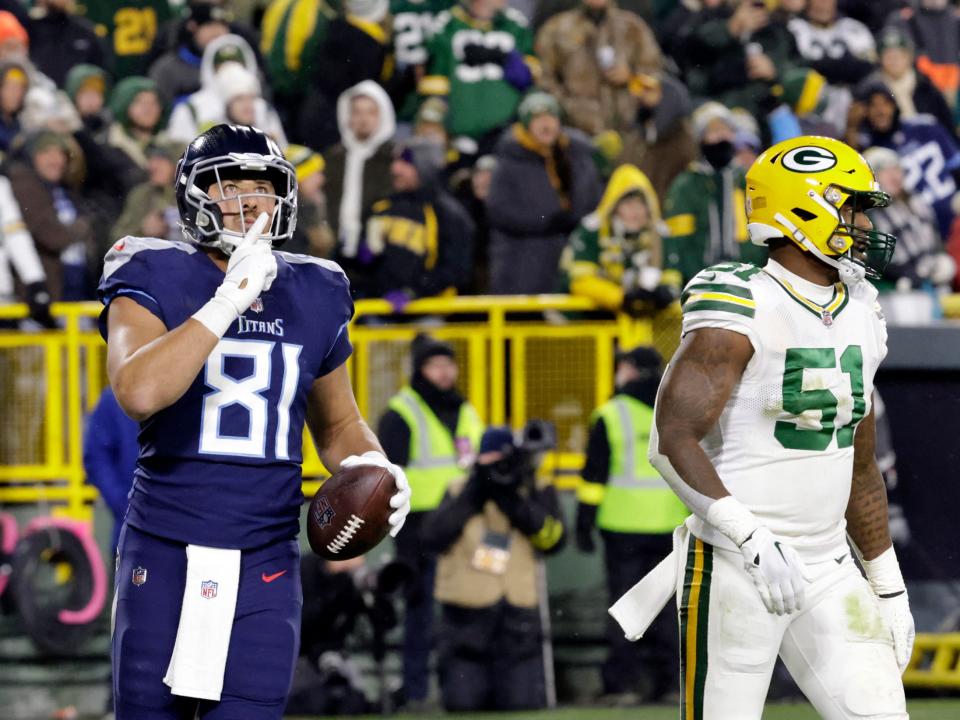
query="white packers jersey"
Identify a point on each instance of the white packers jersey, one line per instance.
(783, 445)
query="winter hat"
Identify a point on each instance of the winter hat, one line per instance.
(82, 76)
(881, 158)
(707, 113)
(11, 29)
(306, 161)
(166, 148)
(124, 93)
(229, 53)
(371, 10)
(496, 439)
(233, 80)
(485, 163)
(536, 103)
(425, 154)
(642, 357)
(433, 110)
(204, 11)
(425, 347)
(802, 89)
(46, 139)
(895, 36)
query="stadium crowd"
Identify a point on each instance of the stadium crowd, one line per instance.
(474, 146)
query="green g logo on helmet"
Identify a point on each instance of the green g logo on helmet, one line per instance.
(809, 159)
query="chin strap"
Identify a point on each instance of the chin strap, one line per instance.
(850, 272)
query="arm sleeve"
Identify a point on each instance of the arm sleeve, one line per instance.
(19, 244)
(444, 525)
(127, 273)
(394, 435)
(596, 469)
(536, 515)
(456, 251)
(342, 310)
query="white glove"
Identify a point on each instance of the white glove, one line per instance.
(400, 500)
(886, 581)
(777, 571)
(775, 568)
(251, 270)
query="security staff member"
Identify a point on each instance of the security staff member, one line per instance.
(488, 532)
(625, 497)
(433, 433)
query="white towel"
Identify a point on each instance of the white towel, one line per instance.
(641, 604)
(206, 620)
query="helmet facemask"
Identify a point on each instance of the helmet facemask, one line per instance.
(209, 227)
(867, 248)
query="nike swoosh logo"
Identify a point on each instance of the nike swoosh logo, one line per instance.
(270, 578)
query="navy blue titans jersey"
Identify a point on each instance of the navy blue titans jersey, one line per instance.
(221, 466)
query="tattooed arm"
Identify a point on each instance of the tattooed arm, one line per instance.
(867, 520)
(867, 525)
(694, 392)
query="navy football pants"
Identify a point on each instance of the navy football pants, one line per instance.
(263, 644)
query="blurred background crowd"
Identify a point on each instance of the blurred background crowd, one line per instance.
(476, 146)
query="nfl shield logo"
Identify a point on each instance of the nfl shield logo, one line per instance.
(139, 576)
(257, 305)
(827, 318)
(323, 513)
(208, 589)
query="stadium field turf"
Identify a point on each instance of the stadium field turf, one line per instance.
(919, 710)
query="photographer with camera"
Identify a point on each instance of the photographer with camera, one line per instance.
(488, 532)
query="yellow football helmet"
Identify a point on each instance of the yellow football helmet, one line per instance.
(796, 188)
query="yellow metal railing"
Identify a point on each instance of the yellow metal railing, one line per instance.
(935, 661)
(516, 365)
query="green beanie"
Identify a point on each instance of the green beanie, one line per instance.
(537, 103)
(124, 93)
(802, 90)
(81, 74)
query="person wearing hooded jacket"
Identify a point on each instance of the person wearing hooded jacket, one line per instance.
(434, 433)
(544, 182)
(228, 71)
(358, 167)
(137, 109)
(615, 255)
(421, 239)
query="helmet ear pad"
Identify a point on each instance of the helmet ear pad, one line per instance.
(209, 218)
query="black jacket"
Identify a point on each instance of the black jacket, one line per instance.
(418, 255)
(58, 41)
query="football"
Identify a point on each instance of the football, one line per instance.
(349, 514)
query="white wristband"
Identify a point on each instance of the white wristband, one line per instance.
(217, 315)
(883, 573)
(731, 518)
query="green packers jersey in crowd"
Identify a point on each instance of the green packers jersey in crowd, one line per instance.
(130, 27)
(414, 23)
(292, 30)
(480, 98)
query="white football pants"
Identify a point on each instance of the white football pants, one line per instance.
(837, 648)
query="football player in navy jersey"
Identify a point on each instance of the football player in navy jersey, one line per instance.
(222, 348)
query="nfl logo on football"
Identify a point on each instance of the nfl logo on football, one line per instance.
(208, 589)
(324, 513)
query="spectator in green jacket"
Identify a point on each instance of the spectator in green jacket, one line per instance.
(704, 209)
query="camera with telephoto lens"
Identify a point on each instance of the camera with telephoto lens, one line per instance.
(519, 463)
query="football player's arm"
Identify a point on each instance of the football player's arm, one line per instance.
(149, 367)
(334, 419)
(868, 527)
(344, 439)
(694, 391)
(867, 518)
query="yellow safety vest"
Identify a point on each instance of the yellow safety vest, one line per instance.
(435, 459)
(635, 499)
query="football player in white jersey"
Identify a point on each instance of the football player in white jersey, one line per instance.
(765, 429)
